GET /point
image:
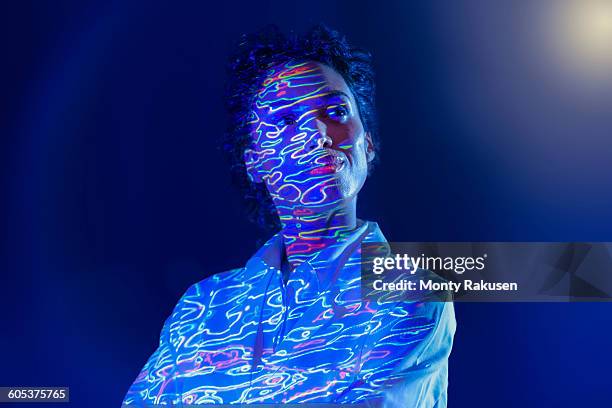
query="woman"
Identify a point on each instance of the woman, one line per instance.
(291, 326)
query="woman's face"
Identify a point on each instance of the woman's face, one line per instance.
(309, 144)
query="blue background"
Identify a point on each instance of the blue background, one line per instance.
(115, 198)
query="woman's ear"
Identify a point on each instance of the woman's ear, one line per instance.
(369, 145)
(251, 159)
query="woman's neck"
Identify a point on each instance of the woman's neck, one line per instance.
(306, 233)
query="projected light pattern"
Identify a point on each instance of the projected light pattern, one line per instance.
(292, 150)
(245, 337)
(309, 147)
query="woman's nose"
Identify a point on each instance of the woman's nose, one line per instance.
(321, 139)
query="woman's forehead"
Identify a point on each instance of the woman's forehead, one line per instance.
(297, 82)
(291, 71)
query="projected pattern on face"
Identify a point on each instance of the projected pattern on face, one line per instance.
(244, 337)
(310, 149)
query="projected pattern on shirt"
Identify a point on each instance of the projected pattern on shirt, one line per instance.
(244, 337)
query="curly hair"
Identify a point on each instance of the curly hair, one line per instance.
(258, 52)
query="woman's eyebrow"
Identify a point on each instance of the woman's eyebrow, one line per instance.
(324, 98)
(300, 106)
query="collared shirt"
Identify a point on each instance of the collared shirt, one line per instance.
(246, 336)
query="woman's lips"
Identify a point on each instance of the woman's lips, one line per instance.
(332, 163)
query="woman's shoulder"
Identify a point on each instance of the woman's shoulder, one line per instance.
(218, 293)
(211, 284)
(195, 303)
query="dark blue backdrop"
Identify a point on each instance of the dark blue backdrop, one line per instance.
(115, 198)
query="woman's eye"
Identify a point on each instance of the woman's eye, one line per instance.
(337, 112)
(286, 121)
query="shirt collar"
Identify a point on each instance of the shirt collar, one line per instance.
(328, 264)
